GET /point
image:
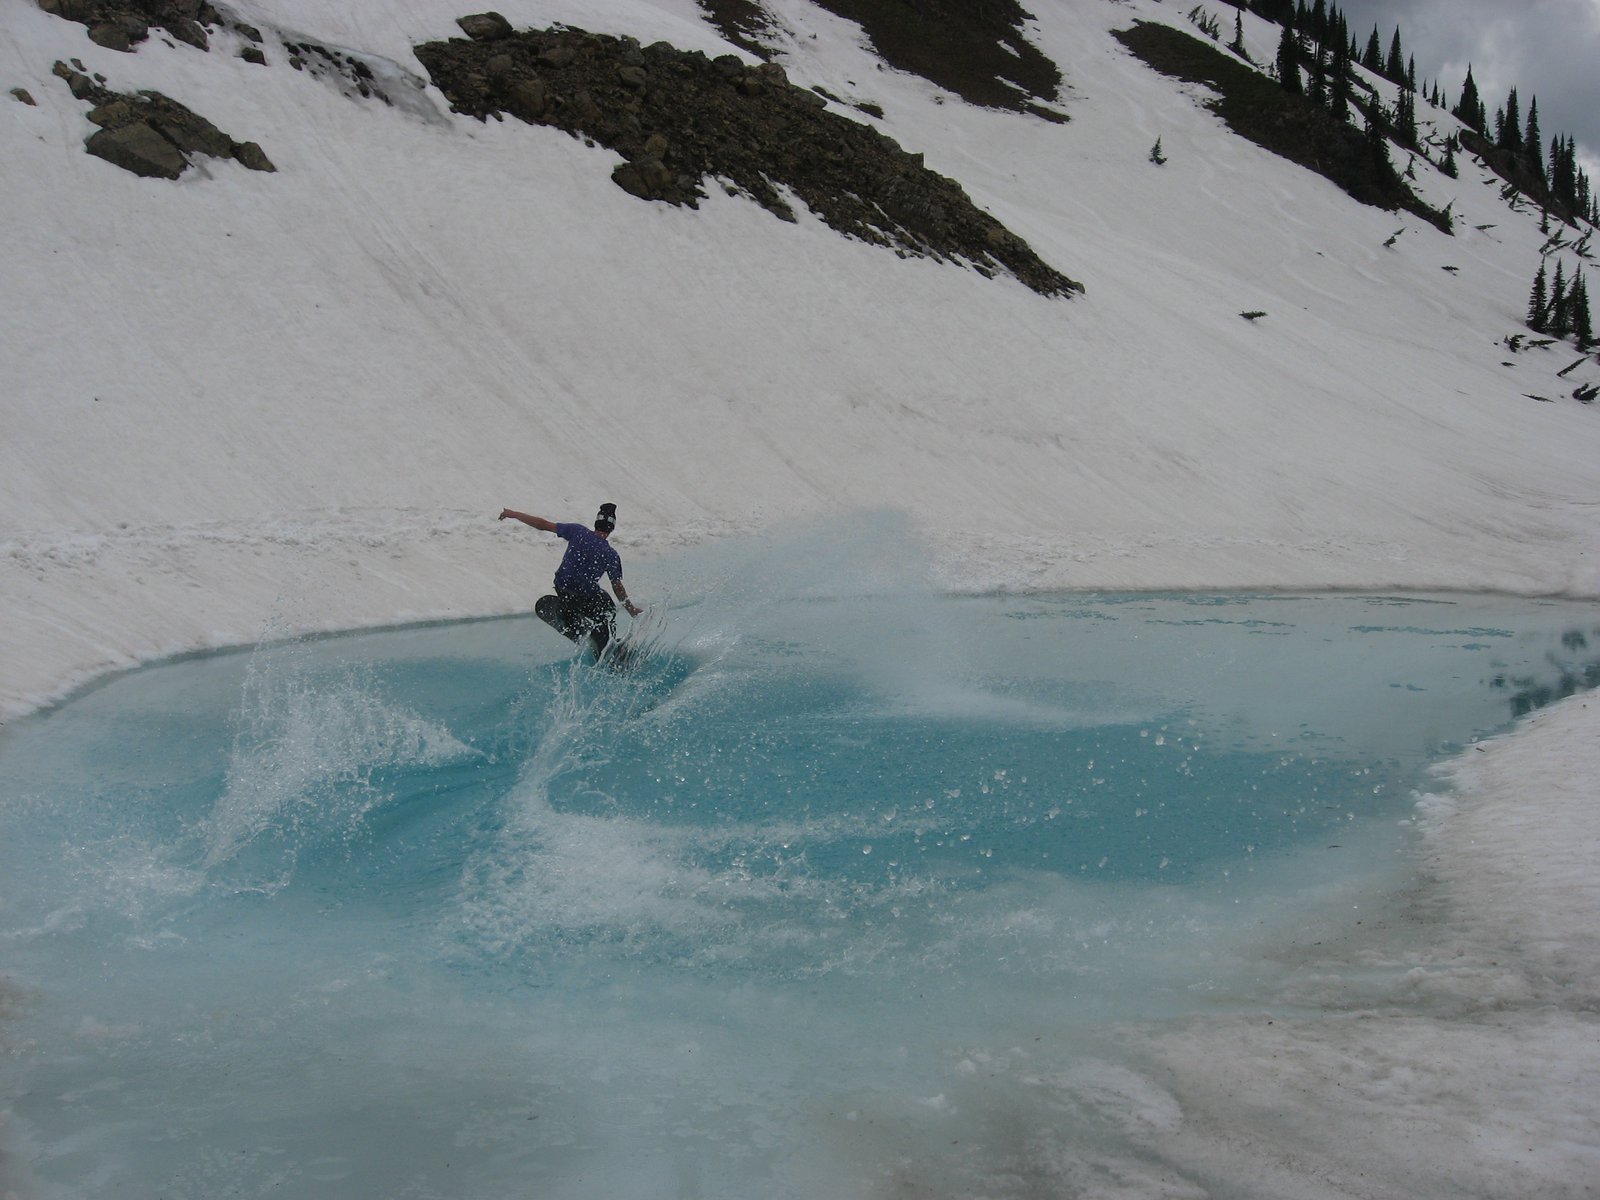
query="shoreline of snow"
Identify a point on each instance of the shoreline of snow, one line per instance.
(85, 605)
(1456, 1031)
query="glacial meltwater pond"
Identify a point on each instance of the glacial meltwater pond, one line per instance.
(825, 889)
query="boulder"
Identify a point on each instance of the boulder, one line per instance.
(253, 156)
(485, 27)
(113, 35)
(634, 77)
(188, 31)
(645, 177)
(71, 10)
(138, 148)
(529, 99)
(23, 95)
(114, 115)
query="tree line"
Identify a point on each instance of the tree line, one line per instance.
(1316, 56)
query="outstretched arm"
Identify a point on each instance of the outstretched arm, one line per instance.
(622, 594)
(536, 522)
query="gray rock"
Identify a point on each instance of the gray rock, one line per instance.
(190, 32)
(485, 27)
(253, 156)
(138, 148)
(114, 115)
(634, 77)
(253, 54)
(645, 177)
(71, 10)
(529, 99)
(113, 35)
(23, 95)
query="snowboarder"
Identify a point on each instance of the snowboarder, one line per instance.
(579, 606)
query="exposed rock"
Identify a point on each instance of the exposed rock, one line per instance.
(124, 24)
(485, 27)
(83, 88)
(253, 54)
(117, 35)
(253, 156)
(25, 96)
(977, 50)
(139, 148)
(153, 135)
(726, 119)
(645, 177)
(71, 10)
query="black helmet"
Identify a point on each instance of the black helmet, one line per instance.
(606, 518)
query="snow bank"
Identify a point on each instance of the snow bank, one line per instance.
(1461, 1056)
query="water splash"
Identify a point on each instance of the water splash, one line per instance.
(309, 748)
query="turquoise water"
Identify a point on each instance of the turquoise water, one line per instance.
(816, 890)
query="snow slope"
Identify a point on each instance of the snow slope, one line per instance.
(244, 404)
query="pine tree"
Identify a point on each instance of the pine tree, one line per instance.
(1557, 322)
(1237, 45)
(1578, 313)
(1318, 92)
(1289, 62)
(1469, 110)
(1533, 144)
(1339, 87)
(1564, 170)
(1372, 59)
(1448, 166)
(1508, 130)
(1539, 302)
(1395, 69)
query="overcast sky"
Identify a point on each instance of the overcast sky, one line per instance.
(1545, 48)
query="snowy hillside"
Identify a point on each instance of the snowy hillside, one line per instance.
(300, 397)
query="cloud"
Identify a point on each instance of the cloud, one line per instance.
(1547, 49)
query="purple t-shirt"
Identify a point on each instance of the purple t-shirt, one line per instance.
(588, 557)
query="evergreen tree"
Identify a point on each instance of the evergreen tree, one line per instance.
(1339, 81)
(1289, 62)
(1557, 323)
(1395, 69)
(1564, 171)
(1372, 59)
(1318, 91)
(1539, 302)
(1533, 144)
(1405, 119)
(1578, 312)
(1448, 166)
(1237, 45)
(1508, 132)
(1469, 111)
(1376, 144)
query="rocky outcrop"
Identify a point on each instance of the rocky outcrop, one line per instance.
(123, 24)
(153, 135)
(679, 119)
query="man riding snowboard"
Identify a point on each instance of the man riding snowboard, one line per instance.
(579, 606)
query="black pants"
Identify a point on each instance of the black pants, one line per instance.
(575, 617)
